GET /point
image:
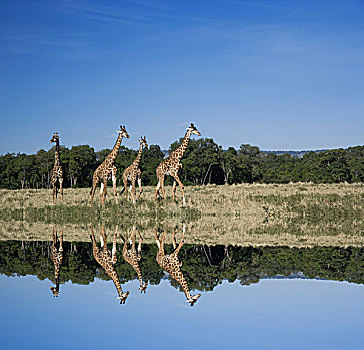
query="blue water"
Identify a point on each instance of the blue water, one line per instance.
(272, 314)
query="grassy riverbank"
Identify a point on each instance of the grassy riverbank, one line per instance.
(292, 214)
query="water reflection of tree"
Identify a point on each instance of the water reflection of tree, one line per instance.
(203, 267)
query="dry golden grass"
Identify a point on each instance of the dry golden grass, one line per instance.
(299, 215)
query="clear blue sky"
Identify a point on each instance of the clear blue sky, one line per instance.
(278, 74)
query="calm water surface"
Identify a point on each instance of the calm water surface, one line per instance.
(251, 298)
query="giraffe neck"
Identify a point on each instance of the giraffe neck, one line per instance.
(56, 272)
(109, 269)
(56, 153)
(181, 149)
(180, 278)
(115, 279)
(131, 258)
(139, 156)
(114, 153)
(57, 261)
(139, 273)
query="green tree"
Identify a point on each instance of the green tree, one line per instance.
(229, 165)
(200, 162)
(82, 162)
(151, 158)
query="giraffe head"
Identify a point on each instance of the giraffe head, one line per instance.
(143, 287)
(123, 297)
(143, 141)
(55, 291)
(193, 130)
(55, 137)
(123, 131)
(193, 299)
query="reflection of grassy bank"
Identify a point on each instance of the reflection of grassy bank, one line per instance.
(34, 206)
(293, 214)
(211, 232)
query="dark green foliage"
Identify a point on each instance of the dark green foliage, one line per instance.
(204, 162)
(125, 157)
(151, 158)
(82, 162)
(201, 162)
(203, 266)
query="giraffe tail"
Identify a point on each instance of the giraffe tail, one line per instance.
(122, 190)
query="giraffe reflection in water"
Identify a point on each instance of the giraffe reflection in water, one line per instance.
(57, 258)
(172, 265)
(107, 260)
(132, 256)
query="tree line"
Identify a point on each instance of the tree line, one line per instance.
(204, 162)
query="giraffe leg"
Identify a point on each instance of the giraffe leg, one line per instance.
(104, 192)
(161, 180)
(160, 177)
(125, 180)
(133, 239)
(61, 188)
(140, 187)
(174, 240)
(93, 240)
(139, 183)
(56, 187)
(114, 184)
(140, 244)
(113, 254)
(54, 235)
(174, 189)
(103, 238)
(54, 192)
(133, 190)
(157, 239)
(125, 248)
(181, 243)
(162, 241)
(101, 190)
(181, 187)
(94, 184)
(61, 241)
(157, 190)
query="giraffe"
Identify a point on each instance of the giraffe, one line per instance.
(132, 256)
(171, 165)
(56, 172)
(172, 265)
(107, 260)
(108, 168)
(57, 257)
(133, 173)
